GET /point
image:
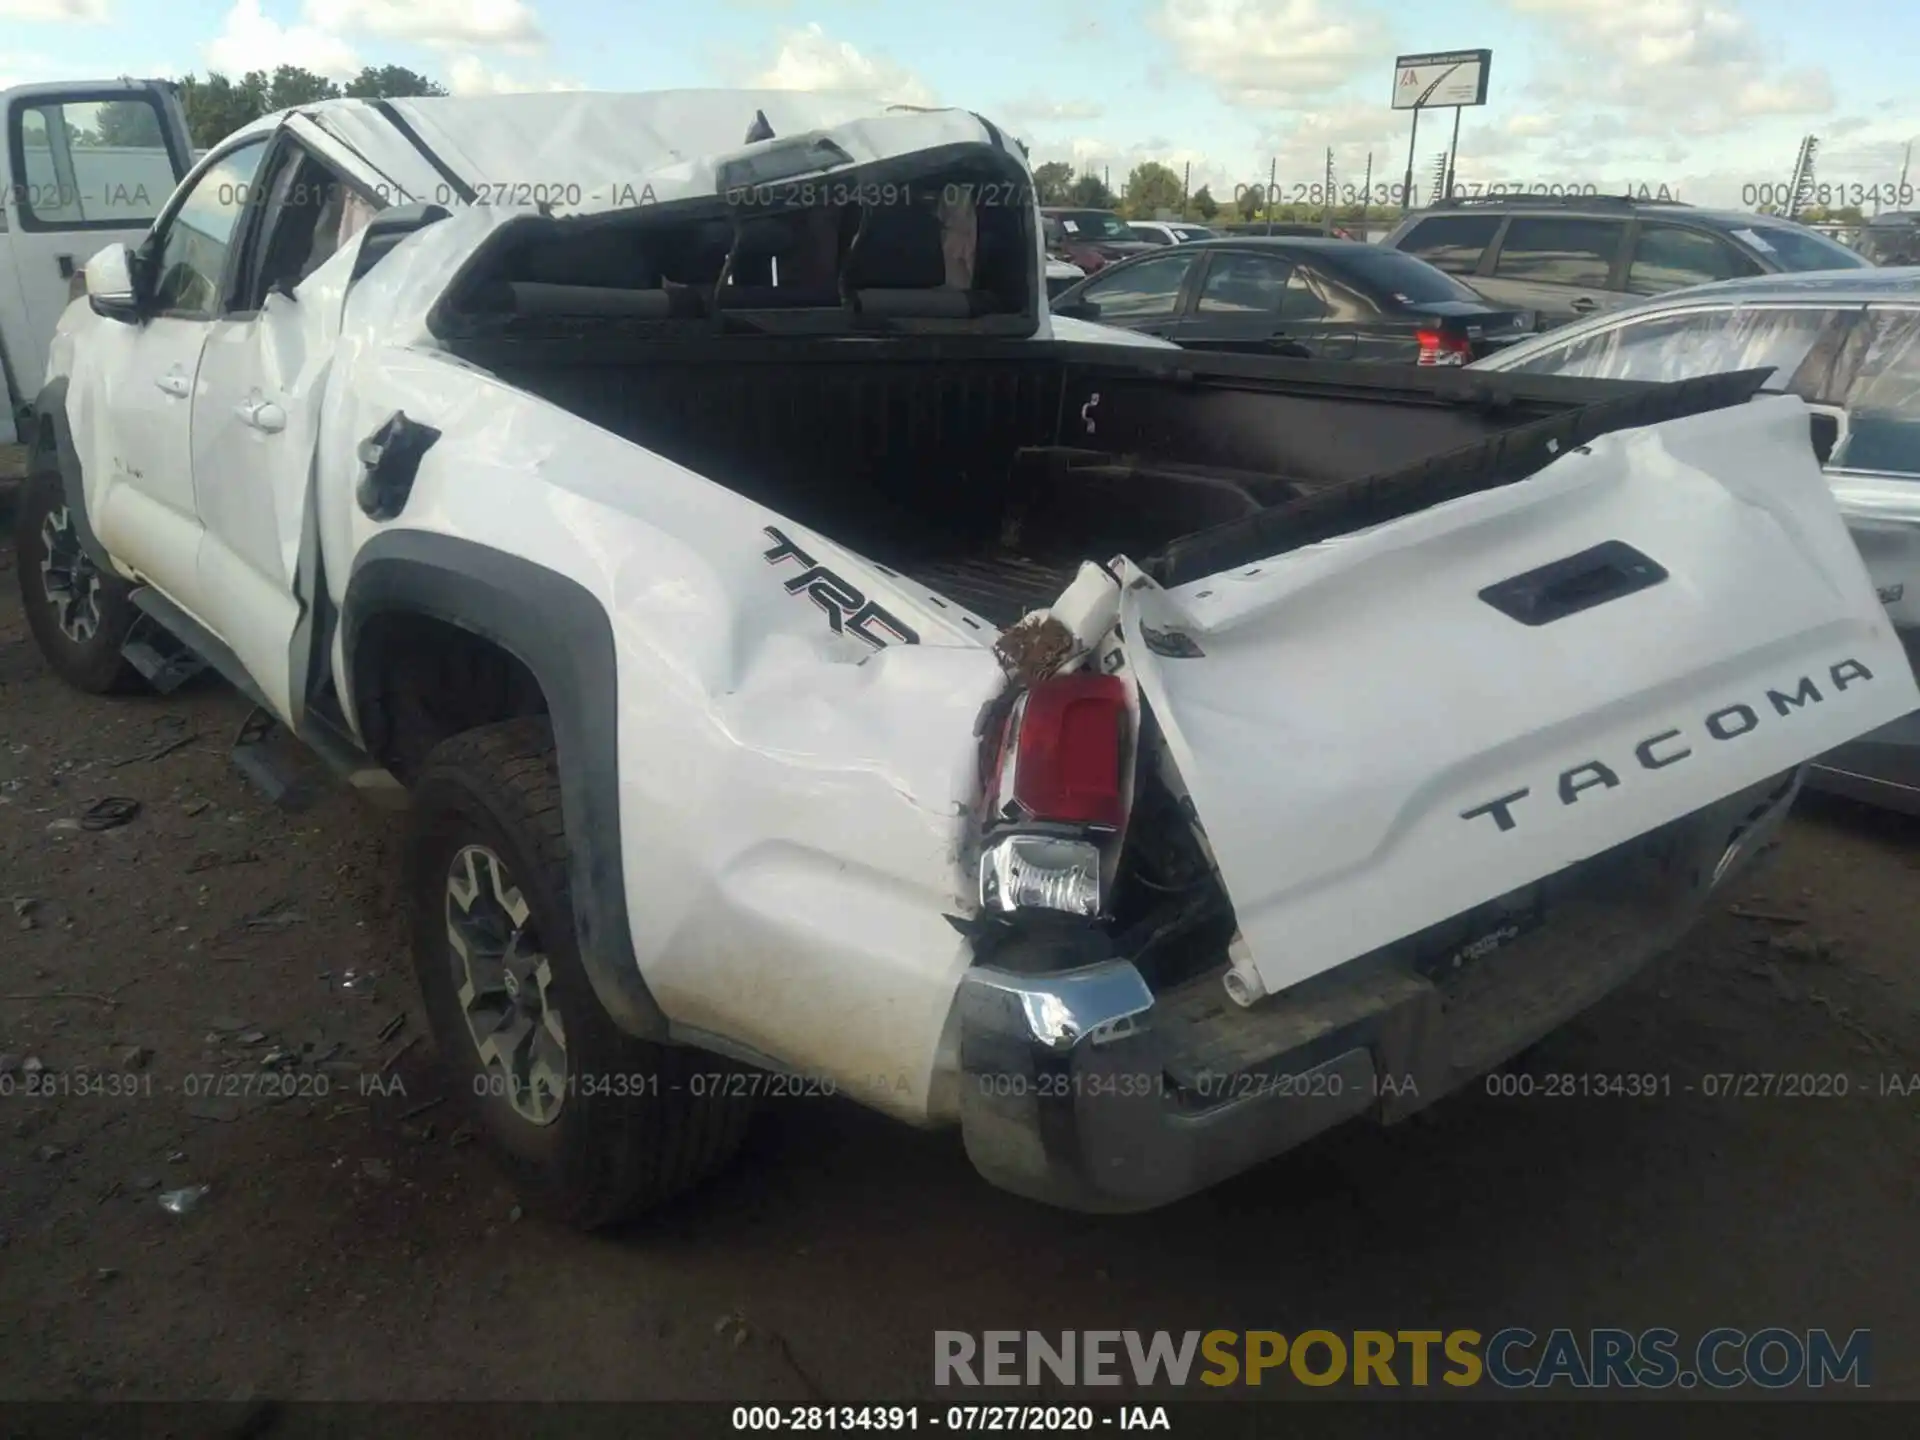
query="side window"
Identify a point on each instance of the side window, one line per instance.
(190, 254)
(315, 212)
(1670, 257)
(1883, 398)
(1560, 250)
(1149, 288)
(1302, 300)
(1239, 283)
(1692, 342)
(89, 164)
(1453, 243)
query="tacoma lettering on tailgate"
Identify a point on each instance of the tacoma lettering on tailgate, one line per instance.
(1670, 747)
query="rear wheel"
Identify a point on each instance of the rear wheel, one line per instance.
(79, 613)
(592, 1124)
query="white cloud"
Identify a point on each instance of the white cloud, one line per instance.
(1275, 54)
(505, 23)
(1032, 109)
(248, 40)
(1691, 67)
(810, 59)
(53, 12)
(470, 75)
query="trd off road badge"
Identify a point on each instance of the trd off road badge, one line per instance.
(848, 611)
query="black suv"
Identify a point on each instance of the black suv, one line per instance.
(1567, 256)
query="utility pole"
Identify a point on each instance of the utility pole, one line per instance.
(1406, 189)
(1273, 179)
(1326, 226)
(1186, 184)
(1453, 151)
(1905, 161)
(1366, 194)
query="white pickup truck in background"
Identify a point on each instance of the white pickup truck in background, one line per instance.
(82, 164)
(809, 667)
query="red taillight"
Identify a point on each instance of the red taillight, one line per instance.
(1439, 348)
(1063, 760)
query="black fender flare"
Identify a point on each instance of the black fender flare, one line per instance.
(50, 415)
(560, 632)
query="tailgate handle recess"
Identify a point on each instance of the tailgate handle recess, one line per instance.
(1606, 572)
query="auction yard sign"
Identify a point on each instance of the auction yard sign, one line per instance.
(1435, 82)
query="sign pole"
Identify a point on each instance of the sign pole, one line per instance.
(1406, 190)
(1453, 151)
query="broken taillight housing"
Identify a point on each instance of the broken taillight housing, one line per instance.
(1056, 796)
(1439, 348)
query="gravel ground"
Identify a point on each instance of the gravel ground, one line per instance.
(350, 1245)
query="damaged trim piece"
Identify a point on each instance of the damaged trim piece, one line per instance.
(389, 461)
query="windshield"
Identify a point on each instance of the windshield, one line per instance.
(1406, 278)
(1095, 225)
(1796, 249)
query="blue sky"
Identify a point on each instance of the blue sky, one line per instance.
(1706, 97)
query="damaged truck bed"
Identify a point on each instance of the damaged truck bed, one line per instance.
(810, 669)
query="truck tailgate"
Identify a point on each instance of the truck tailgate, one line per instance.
(1384, 729)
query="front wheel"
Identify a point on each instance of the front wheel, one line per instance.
(79, 613)
(592, 1124)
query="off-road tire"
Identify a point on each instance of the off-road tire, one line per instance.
(95, 664)
(639, 1122)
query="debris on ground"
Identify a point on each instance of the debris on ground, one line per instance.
(47, 1154)
(135, 1057)
(1805, 947)
(274, 917)
(184, 1200)
(109, 813)
(393, 1027)
(733, 1327)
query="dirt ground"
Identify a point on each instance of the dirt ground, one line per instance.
(351, 1246)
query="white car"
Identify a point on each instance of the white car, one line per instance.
(808, 672)
(1170, 232)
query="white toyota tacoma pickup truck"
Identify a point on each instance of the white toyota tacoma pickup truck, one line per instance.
(810, 667)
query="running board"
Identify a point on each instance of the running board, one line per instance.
(154, 651)
(178, 646)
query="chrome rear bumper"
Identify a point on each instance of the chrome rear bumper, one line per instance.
(1084, 1089)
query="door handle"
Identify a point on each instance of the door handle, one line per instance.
(1584, 304)
(175, 384)
(262, 415)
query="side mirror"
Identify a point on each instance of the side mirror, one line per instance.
(110, 288)
(1829, 426)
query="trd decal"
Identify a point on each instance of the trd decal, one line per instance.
(1086, 412)
(848, 611)
(1670, 747)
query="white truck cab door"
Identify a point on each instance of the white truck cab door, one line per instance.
(130, 401)
(84, 165)
(256, 414)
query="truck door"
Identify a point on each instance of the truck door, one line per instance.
(130, 401)
(84, 165)
(256, 410)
